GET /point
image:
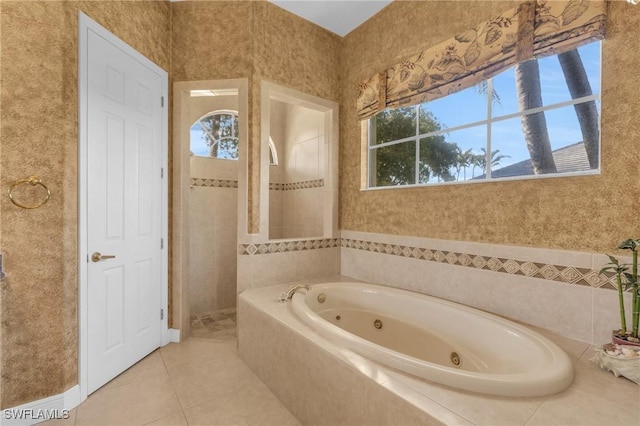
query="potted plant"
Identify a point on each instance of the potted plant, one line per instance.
(622, 356)
(626, 280)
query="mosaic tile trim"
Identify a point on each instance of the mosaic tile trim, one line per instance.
(559, 273)
(318, 183)
(287, 246)
(214, 183)
(566, 274)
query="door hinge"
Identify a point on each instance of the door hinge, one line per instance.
(161, 172)
(161, 314)
(161, 243)
(161, 101)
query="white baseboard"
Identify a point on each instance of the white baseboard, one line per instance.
(52, 407)
(174, 335)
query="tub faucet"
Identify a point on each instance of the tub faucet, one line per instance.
(284, 297)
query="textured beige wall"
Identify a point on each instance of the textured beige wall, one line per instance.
(258, 41)
(1, 308)
(294, 53)
(577, 213)
(39, 136)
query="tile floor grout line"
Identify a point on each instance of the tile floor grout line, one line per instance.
(222, 339)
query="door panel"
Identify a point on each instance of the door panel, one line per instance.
(124, 210)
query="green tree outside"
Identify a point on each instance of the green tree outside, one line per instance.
(396, 164)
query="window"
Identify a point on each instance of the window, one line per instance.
(273, 154)
(215, 135)
(528, 121)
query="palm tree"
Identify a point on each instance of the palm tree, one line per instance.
(463, 160)
(587, 113)
(494, 161)
(477, 160)
(534, 126)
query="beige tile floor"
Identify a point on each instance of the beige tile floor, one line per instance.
(200, 381)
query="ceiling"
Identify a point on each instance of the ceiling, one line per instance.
(338, 16)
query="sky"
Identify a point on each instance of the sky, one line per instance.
(469, 106)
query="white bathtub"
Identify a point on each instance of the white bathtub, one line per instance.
(426, 337)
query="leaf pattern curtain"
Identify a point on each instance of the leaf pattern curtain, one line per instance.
(534, 29)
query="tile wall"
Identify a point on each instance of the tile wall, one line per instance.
(267, 264)
(557, 290)
(213, 223)
(296, 184)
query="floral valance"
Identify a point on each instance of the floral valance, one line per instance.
(532, 30)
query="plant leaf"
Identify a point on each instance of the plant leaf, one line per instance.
(629, 244)
(404, 74)
(613, 260)
(466, 36)
(472, 53)
(573, 11)
(605, 269)
(493, 34)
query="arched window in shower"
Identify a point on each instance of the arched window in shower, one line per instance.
(273, 154)
(215, 135)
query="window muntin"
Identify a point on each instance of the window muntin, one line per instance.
(479, 131)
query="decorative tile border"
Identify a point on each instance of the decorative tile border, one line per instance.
(287, 246)
(559, 273)
(214, 183)
(566, 274)
(318, 183)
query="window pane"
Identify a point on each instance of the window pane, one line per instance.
(198, 141)
(466, 144)
(466, 106)
(393, 164)
(561, 129)
(394, 124)
(552, 82)
(509, 154)
(211, 124)
(228, 148)
(590, 54)
(568, 141)
(505, 94)
(437, 159)
(226, 126)
(555, 86)
(215, 135)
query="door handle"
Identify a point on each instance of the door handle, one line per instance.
(97, 256)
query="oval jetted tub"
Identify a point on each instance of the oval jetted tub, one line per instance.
(440, 341)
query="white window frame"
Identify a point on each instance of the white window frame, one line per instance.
(488, 122)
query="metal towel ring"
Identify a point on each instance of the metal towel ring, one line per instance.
(32, 180)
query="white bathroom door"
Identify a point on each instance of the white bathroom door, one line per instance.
(124, 209)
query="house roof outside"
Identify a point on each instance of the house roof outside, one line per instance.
(571, 158)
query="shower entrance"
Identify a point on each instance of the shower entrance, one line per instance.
(210, 131)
